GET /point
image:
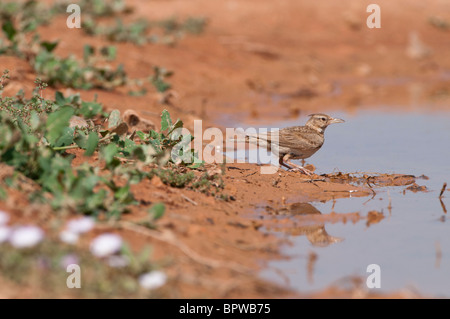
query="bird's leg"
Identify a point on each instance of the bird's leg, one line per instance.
(300, 169)
(282, 163)
(293, 167)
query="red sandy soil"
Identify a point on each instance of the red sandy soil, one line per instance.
(257, 61)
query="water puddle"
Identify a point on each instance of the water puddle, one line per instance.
(403, 229)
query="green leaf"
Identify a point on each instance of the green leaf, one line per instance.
(138, 152)
(161, 86)
(57, 122)
(123, 193)
(92, 143)
(96, 200)
(114, 118)
(90, 109)
(129, 147)
(166, 121)
(196, 164)
(142, 135)
(9, 30)
(49, 46)
(66, 137)
(108, 152)
(29, 26)
(110, 52)
(154, 135)
(81, 139)
(3, 193)
(157, 211)
(158, 79)
(178, 124)
(59, 98)
(34, 120)
(140, 92)
(88, 50)
(87, 181)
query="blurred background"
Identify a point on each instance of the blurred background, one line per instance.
(237, 63)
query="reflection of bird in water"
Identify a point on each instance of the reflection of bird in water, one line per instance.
(314, 231)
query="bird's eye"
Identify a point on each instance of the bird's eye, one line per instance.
(323, 119)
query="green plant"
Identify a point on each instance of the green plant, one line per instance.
(135, 32)
(172, 177)
(36, 136)
(19, 22)
(53, 69)
(207, 183)
(138, 32)
(3, 78)
(94, 8)
(194, 25)
(73, 73)
(158, 79)
(45, 265)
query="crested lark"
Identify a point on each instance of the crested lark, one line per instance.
(296, 142)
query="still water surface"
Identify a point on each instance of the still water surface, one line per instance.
(412, 244)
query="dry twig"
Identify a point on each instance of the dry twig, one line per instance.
(169, 238)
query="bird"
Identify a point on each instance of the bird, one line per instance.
(301, 212)
(295, 142)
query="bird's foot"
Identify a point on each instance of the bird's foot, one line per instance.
(300, 169)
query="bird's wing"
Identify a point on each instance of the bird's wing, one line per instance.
(283, 142)
(289, 139)
(298, 137)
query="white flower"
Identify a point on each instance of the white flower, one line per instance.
(4, 217)
(68, 237)
(106, 244)
(152, 280)
(4, 233)
(81, 225)
(26, 236)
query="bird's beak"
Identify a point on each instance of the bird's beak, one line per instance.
(336, 121)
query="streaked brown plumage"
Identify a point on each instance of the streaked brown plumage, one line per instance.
(296, 142)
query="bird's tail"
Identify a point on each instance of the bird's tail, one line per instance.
(254, 138)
